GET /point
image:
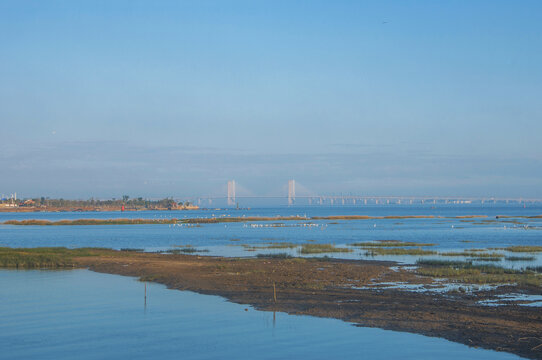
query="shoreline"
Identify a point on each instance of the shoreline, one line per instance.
(22, 209)
(336, 289)
(215, 220)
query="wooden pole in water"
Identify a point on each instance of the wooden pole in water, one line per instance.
(145, 294)
(274, 292)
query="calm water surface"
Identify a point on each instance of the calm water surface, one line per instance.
(226, 239)
(84, 315)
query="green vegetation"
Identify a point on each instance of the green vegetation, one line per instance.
(45, 257)
(529, 249)
(280, 245)
(473, 253)
(520, 258)
(389, 243)
(466, 272)
(438, 262)
(274, 256)
(248, 247)
(486, 258)
(93, 204)
(270, 245)
(398, 251)
(322, 248)
(186, 250)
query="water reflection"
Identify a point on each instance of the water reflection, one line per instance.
(85, 315)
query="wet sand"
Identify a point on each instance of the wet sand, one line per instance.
(327, 288)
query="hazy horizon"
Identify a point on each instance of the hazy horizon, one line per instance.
(101, 99)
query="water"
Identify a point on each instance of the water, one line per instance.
(447, 233)
(85, 315)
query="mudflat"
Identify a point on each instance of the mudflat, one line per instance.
(342, 289)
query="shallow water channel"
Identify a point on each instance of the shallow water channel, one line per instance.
(86, 315)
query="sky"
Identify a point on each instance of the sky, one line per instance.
(175, 98)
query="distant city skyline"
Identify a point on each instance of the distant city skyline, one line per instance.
(100, 99)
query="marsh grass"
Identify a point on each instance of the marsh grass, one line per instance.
(520, 258)
(248, 247)
(322, 248)
(280, 245)
(274, 256)
(270, 245)
(473, 253)
(186, 250)
(527, 249)
(390, 243)
(45, 257)
(467, 272)
(486, 258)
(438, 262)
(397, 251)
(190, 250)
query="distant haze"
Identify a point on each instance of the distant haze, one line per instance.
(105, 98)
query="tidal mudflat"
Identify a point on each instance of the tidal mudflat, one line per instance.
(88, 315)
(333, 288)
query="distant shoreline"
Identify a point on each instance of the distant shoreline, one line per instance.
(23, 209)
(214, 220)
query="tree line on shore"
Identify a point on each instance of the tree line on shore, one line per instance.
(126, 201)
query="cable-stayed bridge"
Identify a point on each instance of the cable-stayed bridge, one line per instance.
(231, 198)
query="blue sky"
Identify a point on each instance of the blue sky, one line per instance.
(103, 98)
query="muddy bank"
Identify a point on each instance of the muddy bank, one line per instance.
(338, 289)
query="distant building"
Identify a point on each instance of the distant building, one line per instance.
(8, 205)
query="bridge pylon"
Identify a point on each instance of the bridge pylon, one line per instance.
(291, 192)
(231, 192)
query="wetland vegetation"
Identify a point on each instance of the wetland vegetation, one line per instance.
(315, 286)
(389, 243)
(520, 258)
(398, 251)
(526, 249)
(43, 257)
(228, 219)
(312, 248)
(469, 273)
(478, 253)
